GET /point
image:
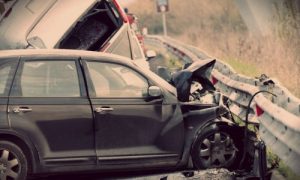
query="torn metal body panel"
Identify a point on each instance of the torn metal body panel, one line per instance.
(207, 123)
(198, 71)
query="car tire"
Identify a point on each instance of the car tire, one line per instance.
(216, 147)
(13, 162)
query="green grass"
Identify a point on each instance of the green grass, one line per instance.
(283, 169)
(174, 62)
(169, 59)
(252, 70)
(243, 67)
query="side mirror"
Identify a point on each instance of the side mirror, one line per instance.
(154, 91)
(150, 54)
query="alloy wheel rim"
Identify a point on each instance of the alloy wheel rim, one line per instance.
(10, 167)
(217, 150)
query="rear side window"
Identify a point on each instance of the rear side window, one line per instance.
(7, 70)
(123, 46)
(48, 79)
(136, 49)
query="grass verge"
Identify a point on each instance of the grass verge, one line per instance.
(282, 168)
(243, 67)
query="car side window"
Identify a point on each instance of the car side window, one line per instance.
(49, 79)
(113, 80)
(7, 69)
(122, 45)
(136, 50)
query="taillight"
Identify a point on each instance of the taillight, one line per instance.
(121, 11)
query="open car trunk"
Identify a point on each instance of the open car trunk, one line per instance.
(94, 28)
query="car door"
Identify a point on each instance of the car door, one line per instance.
(7, 71)
(49, 104)
(129, 125)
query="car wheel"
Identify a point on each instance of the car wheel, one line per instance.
(215, 147)
(13, 163)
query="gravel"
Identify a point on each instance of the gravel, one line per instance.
(210, 174)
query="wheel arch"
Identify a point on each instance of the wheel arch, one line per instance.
(25, 145)
(216, 122)
(211, 124)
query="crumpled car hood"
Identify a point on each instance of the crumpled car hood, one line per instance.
(199, 71)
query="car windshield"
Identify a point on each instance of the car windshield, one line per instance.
(5, 7)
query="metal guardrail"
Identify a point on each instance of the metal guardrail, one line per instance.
(279, 117)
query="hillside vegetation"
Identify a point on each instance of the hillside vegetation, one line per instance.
(217, 28)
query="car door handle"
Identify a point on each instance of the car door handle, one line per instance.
(21, 109)
(103, 110)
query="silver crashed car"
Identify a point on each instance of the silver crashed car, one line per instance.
(95, 25)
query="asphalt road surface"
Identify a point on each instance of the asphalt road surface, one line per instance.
(213, 174)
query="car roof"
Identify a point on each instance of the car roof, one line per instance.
(89, 55)
(26, 14)
(65, 53)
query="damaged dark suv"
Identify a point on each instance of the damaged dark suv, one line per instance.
(72, 111)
